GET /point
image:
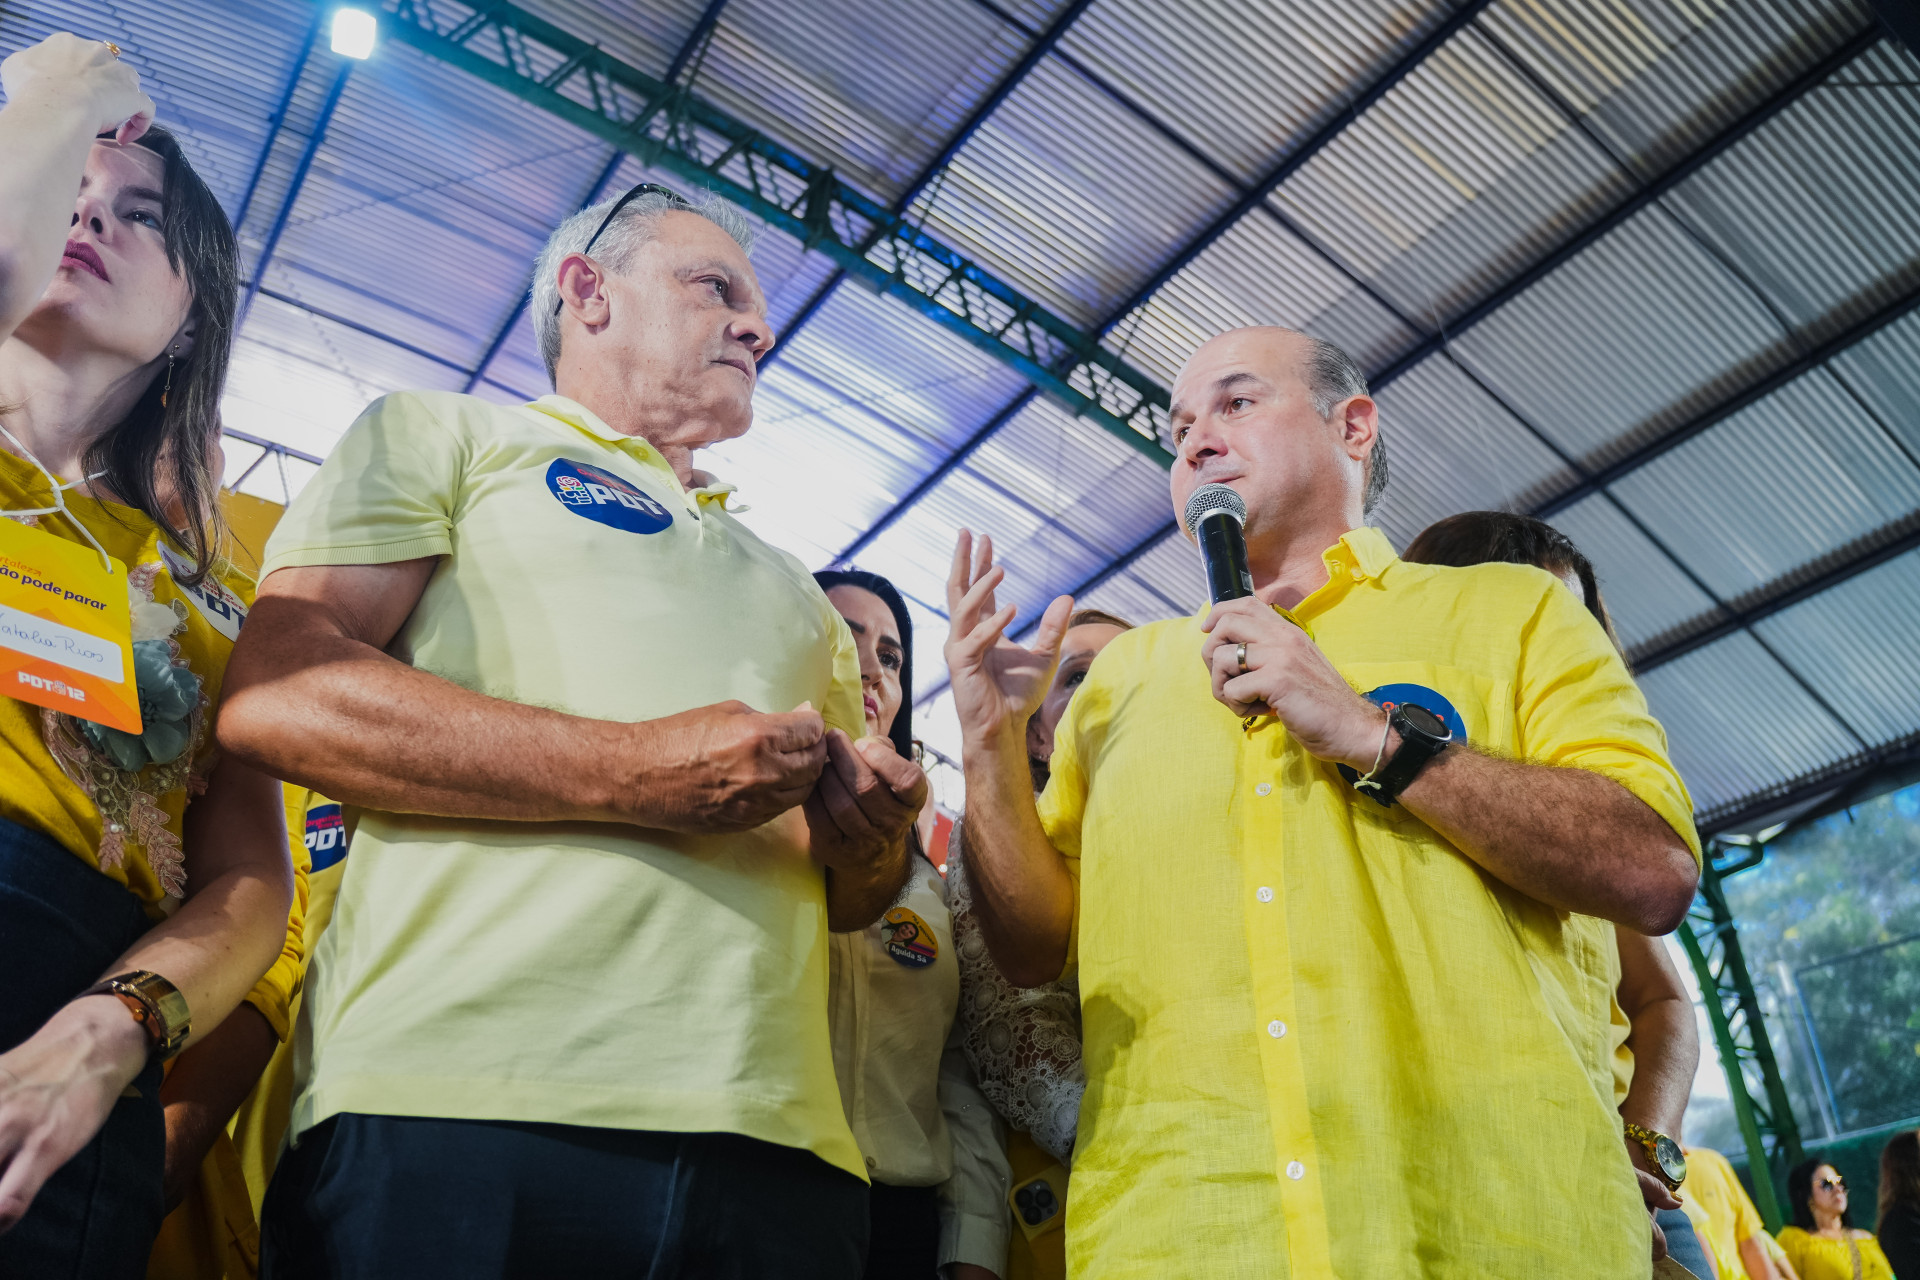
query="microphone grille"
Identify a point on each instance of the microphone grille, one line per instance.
(1209, 498)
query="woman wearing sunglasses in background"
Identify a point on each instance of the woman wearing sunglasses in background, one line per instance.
(931, 1142)
(1822, 1243)
(132, 922)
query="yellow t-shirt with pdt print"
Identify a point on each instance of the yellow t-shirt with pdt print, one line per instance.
(1321, 1041)
(573, 972)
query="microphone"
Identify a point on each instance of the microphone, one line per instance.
(1215, 516)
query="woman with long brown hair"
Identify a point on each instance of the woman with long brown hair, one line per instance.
(132, 922)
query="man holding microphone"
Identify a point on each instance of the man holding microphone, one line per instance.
(1333, 862)
(570, 1015)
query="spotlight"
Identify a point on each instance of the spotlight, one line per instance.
(353, 33)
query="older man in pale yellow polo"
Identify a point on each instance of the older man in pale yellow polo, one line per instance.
(1330, 1030)
(570, 1015)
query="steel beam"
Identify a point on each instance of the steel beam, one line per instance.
(702, 30)
(1042, 44)
(1743, 619)
(669, 128)
(1759, 1095)
(276, 121)
(300, 172)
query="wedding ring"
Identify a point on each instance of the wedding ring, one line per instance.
(1241, 652)
(112, 48)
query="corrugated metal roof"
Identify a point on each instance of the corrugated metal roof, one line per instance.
(1635, 335)
(1732, 691)
(1823, 206)
(1452, 447)
(1784, 483)
(1257, 273)
(1292, 67)
(1650, 599)
(1048, 192)
(1453, 182)
(1859, 646)
(1656, 78)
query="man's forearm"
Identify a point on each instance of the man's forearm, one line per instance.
(857, 895)
(1571, 838)
(360, 726)
(1023, 894)
(206, 1086)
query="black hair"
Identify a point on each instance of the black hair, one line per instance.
(1800, 1192)
(901, 730)
(163, 457)
(1501, 537)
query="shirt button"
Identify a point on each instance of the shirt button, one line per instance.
(1359, 575)
(1296, 1171)
(1263, 893)
(1276, 1028)
(1265, 788)
(870, 1164)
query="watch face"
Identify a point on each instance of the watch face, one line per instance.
(1425, 721)
(1671, 1159)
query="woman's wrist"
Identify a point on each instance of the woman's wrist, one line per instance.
(106, 1032)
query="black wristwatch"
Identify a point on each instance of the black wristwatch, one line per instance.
(1423, 735)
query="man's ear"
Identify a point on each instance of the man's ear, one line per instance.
(583, 290)
(1359, 426)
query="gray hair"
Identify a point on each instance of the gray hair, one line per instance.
(1331, 377)
(615, 249)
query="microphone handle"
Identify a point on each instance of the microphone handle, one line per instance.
(1223, 549)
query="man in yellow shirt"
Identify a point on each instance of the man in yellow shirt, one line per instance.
(1329, 1032)
(596, 741)
(1734, 1232)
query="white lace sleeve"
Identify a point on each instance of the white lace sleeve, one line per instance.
(1024, 1043)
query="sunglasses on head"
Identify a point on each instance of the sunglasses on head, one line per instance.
(643, 189)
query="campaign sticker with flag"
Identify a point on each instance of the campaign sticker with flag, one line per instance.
(66, 639)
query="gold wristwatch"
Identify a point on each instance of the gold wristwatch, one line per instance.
(155, 1004)
(1663, 1153)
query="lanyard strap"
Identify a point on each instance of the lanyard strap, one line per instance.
(59, 506)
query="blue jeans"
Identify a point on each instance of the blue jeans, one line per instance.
(1683, 1246)
(61, 925)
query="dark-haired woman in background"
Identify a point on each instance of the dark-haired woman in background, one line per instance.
(1821, 1242)
(118, 280)
(1899, 1226)
(931, 1141)
(1656, 1046)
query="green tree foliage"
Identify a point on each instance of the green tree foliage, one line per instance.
(1823, 905)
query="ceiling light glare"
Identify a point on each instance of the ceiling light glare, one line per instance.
(353, 33)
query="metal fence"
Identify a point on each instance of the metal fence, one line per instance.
(1860, 1015)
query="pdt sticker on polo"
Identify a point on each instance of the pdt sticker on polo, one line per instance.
(599, 495)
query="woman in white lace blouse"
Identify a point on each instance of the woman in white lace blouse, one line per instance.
(1024, 1044)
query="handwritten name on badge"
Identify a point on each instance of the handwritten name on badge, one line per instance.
(66, 641)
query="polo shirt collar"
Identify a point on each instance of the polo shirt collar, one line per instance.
(575, 414)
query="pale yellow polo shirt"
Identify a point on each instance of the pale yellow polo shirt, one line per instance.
(573, 973)
(1319, 1040)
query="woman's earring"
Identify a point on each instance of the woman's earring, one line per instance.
(169, 386)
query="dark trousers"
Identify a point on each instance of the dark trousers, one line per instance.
(61, 925)
(903, 1233)
(366, 1196)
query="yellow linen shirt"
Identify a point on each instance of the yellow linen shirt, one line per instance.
(1818, 1258)
(1319, 1040)
(572, 972)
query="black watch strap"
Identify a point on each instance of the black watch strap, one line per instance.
(1423, 735)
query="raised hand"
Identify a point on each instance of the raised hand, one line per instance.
(997, 684)
(86, 73)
